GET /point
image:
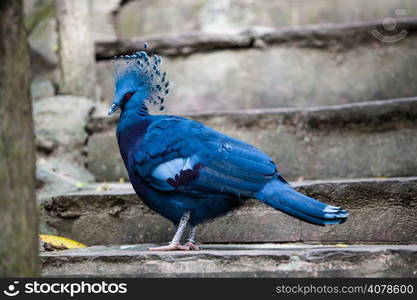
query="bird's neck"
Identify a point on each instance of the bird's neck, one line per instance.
(130, 130)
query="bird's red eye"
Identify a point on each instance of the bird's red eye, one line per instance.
(128, 96)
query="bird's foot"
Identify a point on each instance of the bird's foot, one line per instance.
(192, 246)
(171, 247)
(189, 246)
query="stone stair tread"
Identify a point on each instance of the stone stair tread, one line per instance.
(199, 41)
(370, 112)
(223, 249)
(236, 260)
(381, 210)
(115, 188)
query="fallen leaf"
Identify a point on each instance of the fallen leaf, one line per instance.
(341, 245)
(53, 242)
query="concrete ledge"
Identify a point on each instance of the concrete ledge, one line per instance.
(341, 141)
(373, 113)
(313, 36)
(382, 210)
(269, 67)
(236, 261)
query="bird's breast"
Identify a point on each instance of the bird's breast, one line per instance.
(130, 136)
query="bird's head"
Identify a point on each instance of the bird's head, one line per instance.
(138, 82)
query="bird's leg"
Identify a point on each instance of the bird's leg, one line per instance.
(175, 243)
(191, 239)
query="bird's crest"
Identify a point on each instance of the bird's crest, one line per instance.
(147, 69)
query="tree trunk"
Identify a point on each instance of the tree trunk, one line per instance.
(18, 210)
(76, 48)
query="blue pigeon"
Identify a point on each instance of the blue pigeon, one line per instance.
(187, 172)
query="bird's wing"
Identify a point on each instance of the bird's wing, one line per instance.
(184, 155)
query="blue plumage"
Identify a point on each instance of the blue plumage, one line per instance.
(188, 172)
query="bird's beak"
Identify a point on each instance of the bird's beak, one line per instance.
(113, 108)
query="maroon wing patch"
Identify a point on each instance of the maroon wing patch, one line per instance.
(185, 176)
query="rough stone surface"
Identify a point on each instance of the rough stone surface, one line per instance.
(58, 175)
(55, 176)
(60, 124)
(103, 19)
(102, 158)
(236, 261)
(382, 210)
(76, 48)
(344, 141)
(285, 76)
(139, 18)
(42, 89)
(281, 82)
(60, 139)
(43, 39)
(324, 36)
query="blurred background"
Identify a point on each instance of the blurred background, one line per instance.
(300, 68)
(327, 88)
(301, 80)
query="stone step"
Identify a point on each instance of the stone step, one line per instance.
(226, 15)
(381, 210)
(270, 260)
(312, 36)
(367, 139)
(270, 67)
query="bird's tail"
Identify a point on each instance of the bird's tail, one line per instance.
(283, 197)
